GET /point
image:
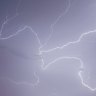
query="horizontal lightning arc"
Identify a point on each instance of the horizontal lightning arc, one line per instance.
(69, 43)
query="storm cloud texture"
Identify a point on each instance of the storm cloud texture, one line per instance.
(40, 43)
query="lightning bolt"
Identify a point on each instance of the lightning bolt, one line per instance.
(74, 58)
(56, 21)
(83, 83)
(22, 29)
(69, 43)
(50, 50)
(6, 20)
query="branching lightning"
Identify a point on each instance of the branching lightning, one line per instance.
(22, 29)
(6, 20)
(30, 28)
(75, 58)
(69, 43)
(50, 50)
(83, 83)
(56, 21)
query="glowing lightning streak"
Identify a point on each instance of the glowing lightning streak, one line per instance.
(24, 28)
(83, 83)
(69, 43)
(30, 28)
(75, 58)
(7, 20)
(60, 58)
(56, 21)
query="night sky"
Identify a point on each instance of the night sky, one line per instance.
(43, 44)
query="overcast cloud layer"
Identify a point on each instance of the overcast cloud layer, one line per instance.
(29, 30)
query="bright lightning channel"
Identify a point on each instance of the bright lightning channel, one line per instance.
(74, 58)
(21, 30)
(56, 21)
